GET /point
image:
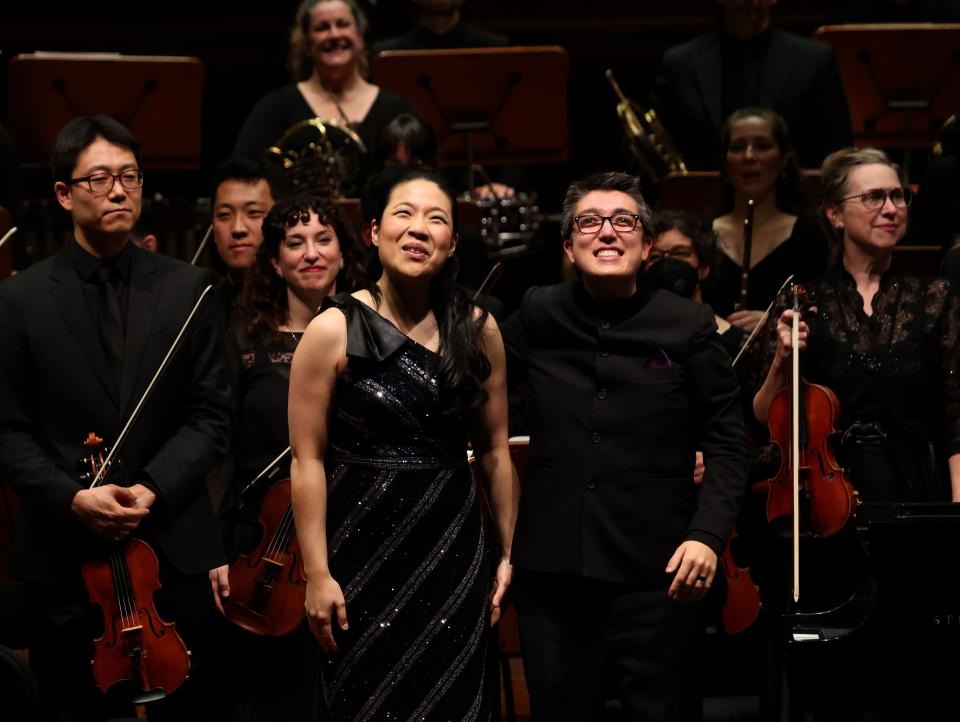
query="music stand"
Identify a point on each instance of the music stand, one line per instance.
(700, 192)
(902, 81)
(494, 106)
(156, 97)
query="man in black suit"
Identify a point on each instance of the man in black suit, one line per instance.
(439, 27)
(614, 542)
(81, 335)
(749, 63)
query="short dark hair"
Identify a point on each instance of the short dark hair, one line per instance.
(79, 134)
(609, 181)
(252, 170)
(699, 230)
(410, 130)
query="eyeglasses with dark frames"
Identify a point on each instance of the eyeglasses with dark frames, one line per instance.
(876, 198)
(592, 223)
(679, 252)
(102, 182)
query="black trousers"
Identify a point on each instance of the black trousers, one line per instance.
(585, 641)
(64, 626)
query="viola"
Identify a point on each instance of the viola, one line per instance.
(268, 588)
(810, 485)
(138, 650)
(742, 605)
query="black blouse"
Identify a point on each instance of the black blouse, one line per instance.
(897, 370)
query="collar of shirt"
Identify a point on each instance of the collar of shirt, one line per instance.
(87, 264)
(612, 311)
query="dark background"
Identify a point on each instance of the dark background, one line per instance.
(244, 49)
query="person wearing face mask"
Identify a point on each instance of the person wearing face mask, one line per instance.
(760, 165)
(306, 255)
(328, 60)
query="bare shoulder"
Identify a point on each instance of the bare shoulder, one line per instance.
(325, 340)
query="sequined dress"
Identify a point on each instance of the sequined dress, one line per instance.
(406, 538)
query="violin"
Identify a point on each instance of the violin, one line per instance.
(137, 649)
(742, 605)
(810, 486)
(268, 588)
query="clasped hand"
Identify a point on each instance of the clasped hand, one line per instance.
(110, 511)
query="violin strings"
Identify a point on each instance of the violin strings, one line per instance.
(277, 542)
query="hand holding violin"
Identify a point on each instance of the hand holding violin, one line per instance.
(110, 511)
(325, 603)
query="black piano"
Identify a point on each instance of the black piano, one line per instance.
(893, 647)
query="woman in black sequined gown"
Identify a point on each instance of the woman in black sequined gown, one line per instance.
(386, 387)
(305, 256)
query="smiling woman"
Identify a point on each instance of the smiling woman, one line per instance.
(328, 60)
(387, 511)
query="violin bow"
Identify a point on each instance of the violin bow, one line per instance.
(98, 479)
(795, 439)
(763, 320)
(269, 467)
(6, 236)
(488, 282)
(203, 244)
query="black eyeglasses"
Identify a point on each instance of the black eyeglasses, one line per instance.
(876, 198)
(101, 183)
(679, 252)
(592, 223)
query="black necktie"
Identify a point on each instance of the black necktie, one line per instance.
(111, 320)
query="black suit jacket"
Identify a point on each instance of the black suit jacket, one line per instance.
(800, 82)
(55, 387)
(620, 399)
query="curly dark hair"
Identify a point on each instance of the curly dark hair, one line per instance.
(263, 300)
(790, 193)
(697, 229)
(463, 366)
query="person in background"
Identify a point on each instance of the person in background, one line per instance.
(307, 254)
(749, 62)
(439, 27)
(760, 165)
(328, 59)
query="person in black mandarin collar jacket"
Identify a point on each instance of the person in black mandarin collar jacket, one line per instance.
(614, 543)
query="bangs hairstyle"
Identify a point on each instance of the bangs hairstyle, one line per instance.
(463, 367)
(301, 64)
(79, 134)
(263, 301)
(611, 181)
(833, 184)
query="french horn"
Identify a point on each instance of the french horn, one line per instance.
(647, 137)
(323, 156)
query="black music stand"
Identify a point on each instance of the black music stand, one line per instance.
(156, 97)
(902, 81)
(495, 106)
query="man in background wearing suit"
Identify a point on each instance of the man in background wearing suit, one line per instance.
(750, 63)
(614, 543)
(81, 335)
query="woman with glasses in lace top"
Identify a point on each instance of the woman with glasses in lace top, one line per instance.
(886, 342)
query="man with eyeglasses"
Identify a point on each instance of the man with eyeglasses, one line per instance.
(81, 335)
(614, 545)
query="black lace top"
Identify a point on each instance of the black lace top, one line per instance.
(898, 369)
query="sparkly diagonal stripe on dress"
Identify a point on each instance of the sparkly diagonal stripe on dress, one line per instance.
(406, 537)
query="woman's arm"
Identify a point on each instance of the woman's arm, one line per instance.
(779, 373)
(492, 450)
(320, 356)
